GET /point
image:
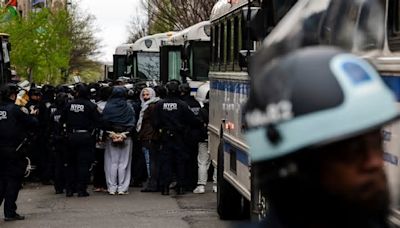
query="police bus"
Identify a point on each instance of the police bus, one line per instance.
(185, 56)
(5, 65)
(237, 26)
(122, 66)
(140, 60)
(367, 28)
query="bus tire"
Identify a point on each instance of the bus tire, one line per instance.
(231, 205)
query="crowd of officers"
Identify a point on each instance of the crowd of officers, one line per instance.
(102, 133)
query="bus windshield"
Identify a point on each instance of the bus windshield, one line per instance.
(148, 64)
(200, 61)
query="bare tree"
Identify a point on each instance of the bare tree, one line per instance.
(167, 15)
(85, 44)
(137, 27)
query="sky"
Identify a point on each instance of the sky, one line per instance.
(112, 19)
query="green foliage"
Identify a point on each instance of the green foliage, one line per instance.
(41, 45)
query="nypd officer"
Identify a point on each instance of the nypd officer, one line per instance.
(13, 124)
(314, 122)
(172, 117)
(80, 117)
(192, 137)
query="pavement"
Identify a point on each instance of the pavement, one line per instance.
(43, 208)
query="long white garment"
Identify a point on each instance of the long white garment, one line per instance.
(203, 161)
(117, 165)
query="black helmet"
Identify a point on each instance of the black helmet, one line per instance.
(35, 92)
(61, 99)
(313, 97)
(185, 88)
(172, 88)
(81, 90)
(7, 90)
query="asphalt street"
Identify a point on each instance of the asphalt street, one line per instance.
(43, 208)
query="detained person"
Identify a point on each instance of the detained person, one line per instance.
(149, 137)
(119, 121)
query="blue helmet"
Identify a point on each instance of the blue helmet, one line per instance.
(314, 96)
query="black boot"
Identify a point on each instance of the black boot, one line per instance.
(165, 190)
(180, 190)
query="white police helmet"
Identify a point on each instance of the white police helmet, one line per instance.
(314, 96)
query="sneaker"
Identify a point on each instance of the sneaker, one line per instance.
(111, 193)
(199, 189)
(214, 188)
(16, 217)
(123, 193)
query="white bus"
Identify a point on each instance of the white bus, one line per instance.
(232, 42)
(140, 60)
(185, 56)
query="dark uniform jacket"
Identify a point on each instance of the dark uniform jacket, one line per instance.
(172, 116)
(81, 114)
(14, 124)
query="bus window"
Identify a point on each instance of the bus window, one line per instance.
(280, 8)
(212, 49)
(174, 65)
(148, 65)
(394, 25)
(229, 45)
(370, 31)
(222, 44)
(200, 58)
(216, 48)
(236, 43)
(332, 32)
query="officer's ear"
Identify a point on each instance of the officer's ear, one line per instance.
(13, 96)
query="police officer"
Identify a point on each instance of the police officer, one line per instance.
(35, 146)
(57, 144)
(314, 121)
(13, 123)
(81, 118)
(192, 137)
(172, 116)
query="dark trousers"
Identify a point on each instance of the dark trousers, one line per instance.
(12, 168)
(60, 149)
(138, 164)
(191, 173)
(99, 177)
(78, 160)
(153, 180)
(172, 156)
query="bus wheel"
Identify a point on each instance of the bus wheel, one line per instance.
(259, 203)
(230, 203)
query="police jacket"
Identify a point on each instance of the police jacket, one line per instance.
(56, 127)
(173, 115)
(80, 114)
(14, 124)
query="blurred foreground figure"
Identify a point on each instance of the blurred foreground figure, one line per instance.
(314, 121)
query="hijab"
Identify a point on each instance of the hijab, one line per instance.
(145, 105)
(117, 110)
